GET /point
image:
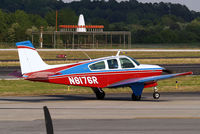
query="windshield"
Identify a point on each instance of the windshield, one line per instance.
(126, 63)
(136, 62)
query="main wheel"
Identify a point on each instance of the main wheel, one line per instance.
(136, 98)
(100, 95)
(156, 95)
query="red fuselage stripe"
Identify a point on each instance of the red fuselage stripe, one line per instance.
(102, 79)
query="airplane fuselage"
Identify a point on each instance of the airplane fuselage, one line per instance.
(108, 70)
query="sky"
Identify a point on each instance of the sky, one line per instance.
(191, 4)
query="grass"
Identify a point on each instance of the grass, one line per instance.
(80, 55)
(142, 61)
(28, 88)
(13, 55)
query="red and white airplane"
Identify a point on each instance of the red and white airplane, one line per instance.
(107, 72)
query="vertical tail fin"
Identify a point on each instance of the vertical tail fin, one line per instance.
(30, 60)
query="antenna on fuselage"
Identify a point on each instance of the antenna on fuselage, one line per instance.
(87, 55)
(118, 52)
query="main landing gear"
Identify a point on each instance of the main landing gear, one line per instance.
(156, 95)
(100, 94)
(137, 91)
(136, 98)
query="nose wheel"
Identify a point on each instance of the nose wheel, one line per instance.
(156, 95)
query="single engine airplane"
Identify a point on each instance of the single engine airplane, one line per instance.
(107, 72)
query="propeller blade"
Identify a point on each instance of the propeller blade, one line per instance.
(48, 121)
(167, 71)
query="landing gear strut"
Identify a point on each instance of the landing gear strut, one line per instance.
(156, 95)
(100, 94)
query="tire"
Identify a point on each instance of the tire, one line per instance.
(156, 95)
(136, 98)
(100, 96)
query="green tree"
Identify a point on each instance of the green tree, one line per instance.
(67, 16)
(29, 32)
(37, 21)
(132, 18)
(12, 32)
(168, 36)
(194, 27)
(5, 22)
(50, 18)
(22, 19)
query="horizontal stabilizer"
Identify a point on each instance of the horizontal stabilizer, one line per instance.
(16, 73)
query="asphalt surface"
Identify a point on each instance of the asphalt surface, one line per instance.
(133, 126)
(177, 113)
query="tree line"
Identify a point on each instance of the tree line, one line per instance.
(148, 23)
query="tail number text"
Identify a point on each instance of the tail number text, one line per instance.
(83, 80)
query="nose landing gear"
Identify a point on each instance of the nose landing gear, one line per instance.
(156, 94)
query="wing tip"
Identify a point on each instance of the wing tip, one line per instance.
(187, 73)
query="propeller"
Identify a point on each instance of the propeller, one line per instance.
(167, 71)
(48, 121)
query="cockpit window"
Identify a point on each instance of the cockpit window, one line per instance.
(136, 62)
(112, 64)
(98, 66)
(126, 63)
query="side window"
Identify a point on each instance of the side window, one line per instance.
(126, 63)
(98, 66)
(112, 64)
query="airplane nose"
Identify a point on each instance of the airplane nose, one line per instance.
(167, 71)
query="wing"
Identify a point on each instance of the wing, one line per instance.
(132, 81)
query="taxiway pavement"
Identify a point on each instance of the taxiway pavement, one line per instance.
(177, 113)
